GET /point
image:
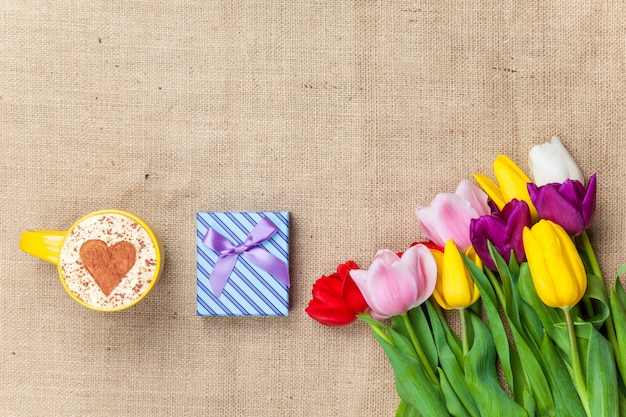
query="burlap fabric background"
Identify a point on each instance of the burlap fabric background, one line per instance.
(348, 114)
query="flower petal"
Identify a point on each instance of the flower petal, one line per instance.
(565, 266)
(336, 298)
(327, 289)
(512, 181)
(553, 205)
(438, 292)
(589, 202)
(552, 163)
(352, 296)
(386, 256)
(384, 290)
(448, 217)
(517, 216)
(544, 285)
(423, 268)
(344, 269)
(555, 265)
(485, 229)
(492, 189)
(329, 315)
(455, 278)
(477, 198)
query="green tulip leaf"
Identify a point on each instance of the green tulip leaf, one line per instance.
(566, 400)
(619, 291)
(596, 291)
(513, 264)
(518, 313)
(454, 342)
(498, 331)
(510, 306)
(601, 377)
(403, 344)
(451, 367)
(551, 318)
(535, 372)
(523, 393)
(584, 257)
(620, 271)
(405, 410)
(412, 383)
(531, 323)
(528, 402)
(481, 377)
(422, 330)
(527, 345)
(442, 334)
(618, 314)
(455, 407)
(622, 403)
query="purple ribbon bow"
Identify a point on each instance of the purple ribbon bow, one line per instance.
(259, 256)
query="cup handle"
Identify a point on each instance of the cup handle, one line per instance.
(44, 244)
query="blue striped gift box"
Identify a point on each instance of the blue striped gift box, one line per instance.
(250, 291)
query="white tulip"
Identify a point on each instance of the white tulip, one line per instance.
(550, 162)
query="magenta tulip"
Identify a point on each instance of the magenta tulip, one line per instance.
(393, 285)
(569, 204)
(504, 230)
(448, 216)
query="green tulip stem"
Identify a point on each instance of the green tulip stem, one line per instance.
(464, 335)
(377, 327)
(418, 349)
(579, 379)
(595, 267)
(380, 333)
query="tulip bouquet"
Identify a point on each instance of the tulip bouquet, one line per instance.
(539, 333)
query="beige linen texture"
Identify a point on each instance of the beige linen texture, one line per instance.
(348, 114)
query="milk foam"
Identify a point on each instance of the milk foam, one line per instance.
(111, 229)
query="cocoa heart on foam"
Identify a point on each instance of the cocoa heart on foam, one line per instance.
(108, 264)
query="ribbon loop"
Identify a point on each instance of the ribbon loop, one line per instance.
(229, 252)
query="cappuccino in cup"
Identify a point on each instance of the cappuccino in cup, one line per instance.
(107, 261)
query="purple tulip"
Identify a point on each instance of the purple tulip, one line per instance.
(569, 204)
(504, 230)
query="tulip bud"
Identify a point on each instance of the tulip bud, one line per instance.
(556, 268)
(449, 215)
(569, 204)
(393, 285)
(504, 230)
(551, 163)
(336, 298)
(455, 286)
(512, 184)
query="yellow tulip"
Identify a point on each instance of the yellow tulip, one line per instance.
(555, 265)
(511, 184)
(455, 286)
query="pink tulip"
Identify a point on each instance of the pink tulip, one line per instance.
(393, 285)
(449, 215)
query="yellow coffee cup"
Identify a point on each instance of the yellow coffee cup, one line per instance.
(108, 260)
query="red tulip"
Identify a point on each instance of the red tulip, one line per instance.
(336, 298)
